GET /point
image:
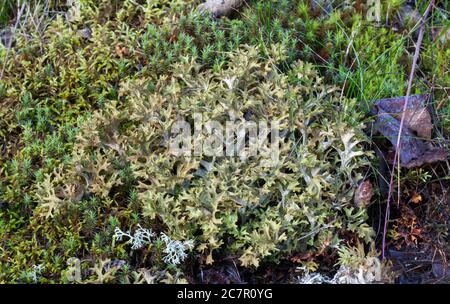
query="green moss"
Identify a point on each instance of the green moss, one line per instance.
(6, 8)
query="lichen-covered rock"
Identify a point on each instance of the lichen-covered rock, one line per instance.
(220, 8)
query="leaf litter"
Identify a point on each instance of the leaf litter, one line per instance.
(416, 149)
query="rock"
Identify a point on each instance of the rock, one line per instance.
(85, 33)
(6, 37)
(220, 8)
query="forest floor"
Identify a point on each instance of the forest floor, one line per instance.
(90, 91)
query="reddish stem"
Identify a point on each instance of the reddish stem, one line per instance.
(402, 121)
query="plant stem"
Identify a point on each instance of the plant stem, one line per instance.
(402, 121)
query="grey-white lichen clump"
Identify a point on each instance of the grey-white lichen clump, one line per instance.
(369, 271)
(175, 251)
(139, 239)
(35, 273)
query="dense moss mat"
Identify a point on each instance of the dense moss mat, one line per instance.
(88, 96)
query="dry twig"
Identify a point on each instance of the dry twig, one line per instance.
(402, 122)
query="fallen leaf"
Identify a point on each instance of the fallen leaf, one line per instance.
(299, 257)
(430, 156)
(363, 194)
(122, 51)
(414, 152)
(174, 37)
(85, 33)
(440, 269)
(417, 117)
(416, 198)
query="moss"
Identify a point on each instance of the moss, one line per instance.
(5, 11)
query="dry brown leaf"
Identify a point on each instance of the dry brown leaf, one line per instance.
(414, 151)
(122, 51)
(416, 198)
(417, 117)
(363, 194)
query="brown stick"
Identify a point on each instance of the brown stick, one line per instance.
(402, 122)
